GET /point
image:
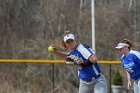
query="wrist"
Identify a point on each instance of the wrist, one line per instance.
(86, 64)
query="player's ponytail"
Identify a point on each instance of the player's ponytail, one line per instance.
(132, 45)
(62, 43)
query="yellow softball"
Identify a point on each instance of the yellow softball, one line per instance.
(50, 49)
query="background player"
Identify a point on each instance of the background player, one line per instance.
(131, 62)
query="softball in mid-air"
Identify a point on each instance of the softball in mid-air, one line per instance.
(51, 49)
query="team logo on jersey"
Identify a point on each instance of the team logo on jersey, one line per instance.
(129, 65)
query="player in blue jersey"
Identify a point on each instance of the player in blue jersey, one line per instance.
(89, 73)
(131, 62)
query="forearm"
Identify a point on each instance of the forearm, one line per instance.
(89, 62)
(129, 84)
(86, 64)
(60, 54)
(128, 77)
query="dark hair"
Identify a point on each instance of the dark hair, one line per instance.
(132, 45)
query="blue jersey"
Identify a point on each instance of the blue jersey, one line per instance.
(132, 64)
(84, 53)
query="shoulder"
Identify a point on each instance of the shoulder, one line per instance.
(76, 51)
(135, 53)
(84, 51)
(84, 48)
(80, 47)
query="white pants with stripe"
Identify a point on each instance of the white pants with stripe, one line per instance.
(98, 85)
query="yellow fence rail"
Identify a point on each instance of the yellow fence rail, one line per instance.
(49, 61)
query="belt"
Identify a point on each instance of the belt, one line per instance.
(90, 79)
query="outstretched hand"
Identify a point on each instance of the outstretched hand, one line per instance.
(51, 48)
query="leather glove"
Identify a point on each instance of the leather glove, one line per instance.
(74, 60)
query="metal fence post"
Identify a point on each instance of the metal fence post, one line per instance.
(110, 90)
(53, 75)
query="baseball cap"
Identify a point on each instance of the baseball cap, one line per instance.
(121, 45)
(69, 36)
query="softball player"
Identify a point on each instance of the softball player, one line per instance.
(131, 62)
(89, 73)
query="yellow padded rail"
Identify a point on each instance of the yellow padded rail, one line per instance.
(48, 61)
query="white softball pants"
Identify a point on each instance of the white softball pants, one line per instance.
(98, 85)
(137, 86)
